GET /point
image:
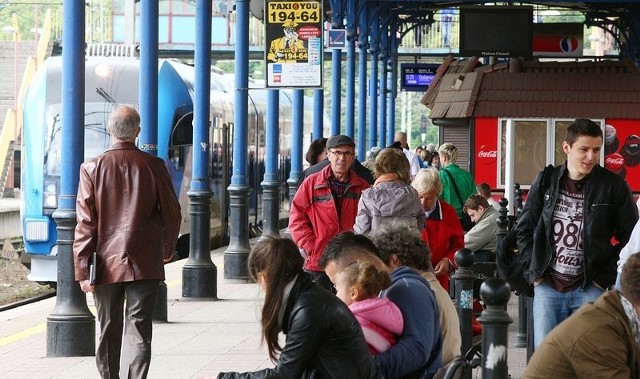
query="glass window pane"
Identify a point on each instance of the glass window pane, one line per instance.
(530, 149)
(561, 132)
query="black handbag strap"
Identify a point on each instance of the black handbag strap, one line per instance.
(455, 187)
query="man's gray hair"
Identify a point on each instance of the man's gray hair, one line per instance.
(124, 122)
(406, 243)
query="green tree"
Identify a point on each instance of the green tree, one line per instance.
(30, 16)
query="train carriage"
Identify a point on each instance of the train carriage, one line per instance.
(114, 80)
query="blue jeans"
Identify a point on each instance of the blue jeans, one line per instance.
(551, 307)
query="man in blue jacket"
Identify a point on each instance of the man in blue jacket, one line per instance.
(572, 215)
(417, 354)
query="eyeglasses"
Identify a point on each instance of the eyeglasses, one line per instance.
(338, 153)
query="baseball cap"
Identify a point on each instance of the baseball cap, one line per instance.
(340, 140)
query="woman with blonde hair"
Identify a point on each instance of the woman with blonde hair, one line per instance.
(457, 184)
(391, 200)
(323, 338)
(443, 231)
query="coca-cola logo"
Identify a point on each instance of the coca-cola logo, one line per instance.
(488, 154)
(614, 162)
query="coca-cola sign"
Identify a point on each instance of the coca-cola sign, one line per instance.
(488, 154)
(614, 162)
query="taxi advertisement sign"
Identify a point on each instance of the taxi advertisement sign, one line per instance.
(293, 44)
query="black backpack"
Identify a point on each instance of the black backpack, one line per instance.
(510, 265)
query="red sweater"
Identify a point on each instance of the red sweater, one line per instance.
(443, 233)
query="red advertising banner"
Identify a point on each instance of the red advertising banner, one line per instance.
(486, 151)
(558, 40)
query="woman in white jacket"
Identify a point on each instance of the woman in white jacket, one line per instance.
(391, 200)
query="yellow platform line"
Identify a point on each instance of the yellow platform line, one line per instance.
(23, 334)
(40, 328)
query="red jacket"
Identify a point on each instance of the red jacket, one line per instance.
(314, 220)
(443, 233)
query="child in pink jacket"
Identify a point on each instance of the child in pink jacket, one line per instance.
(359, 285)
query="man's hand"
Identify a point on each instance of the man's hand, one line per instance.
(85, 286)
(169, 259)
(442, 268)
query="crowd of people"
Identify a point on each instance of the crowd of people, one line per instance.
(410, 222)
(361, 289)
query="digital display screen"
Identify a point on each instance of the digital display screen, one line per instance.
(417, 76)
(498, 31)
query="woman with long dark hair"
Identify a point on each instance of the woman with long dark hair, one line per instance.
(323, 338)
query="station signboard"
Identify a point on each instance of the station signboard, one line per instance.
(417, 76)
(293, 37)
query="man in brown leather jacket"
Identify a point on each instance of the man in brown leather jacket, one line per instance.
(128, 213)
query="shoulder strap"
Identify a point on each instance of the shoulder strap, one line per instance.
(546, 178)
(455, 187)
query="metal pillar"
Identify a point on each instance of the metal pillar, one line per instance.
(199, 274)
(373, 85)
(391, 93)
(362, 91)
(336, 70)
(521, 337)
(318, 113)
(149, 109)
(270, 184)
(495, 321)
(70, 321)
(149, 76)
(351, 72)
(297, 118)
(530, 341)
(336, 90)
(235, 257)
(464, 298)
(517, 193)
(383, 82)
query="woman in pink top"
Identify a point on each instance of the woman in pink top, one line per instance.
(359, 285)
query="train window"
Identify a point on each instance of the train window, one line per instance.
(182, 133)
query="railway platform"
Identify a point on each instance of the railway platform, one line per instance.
(200, 339)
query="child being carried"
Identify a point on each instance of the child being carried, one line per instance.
(359, 286)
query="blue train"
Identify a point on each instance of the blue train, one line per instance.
(114, 80)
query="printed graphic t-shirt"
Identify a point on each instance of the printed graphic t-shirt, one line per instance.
(566, 269)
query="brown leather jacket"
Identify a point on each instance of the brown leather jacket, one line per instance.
(595, 342)
(127, 212)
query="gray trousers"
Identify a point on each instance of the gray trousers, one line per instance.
(136, 320)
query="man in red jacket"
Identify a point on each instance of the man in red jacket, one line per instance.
(128, 214)
(326, 204)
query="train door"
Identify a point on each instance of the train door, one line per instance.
(256, 128)
(221, 152)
